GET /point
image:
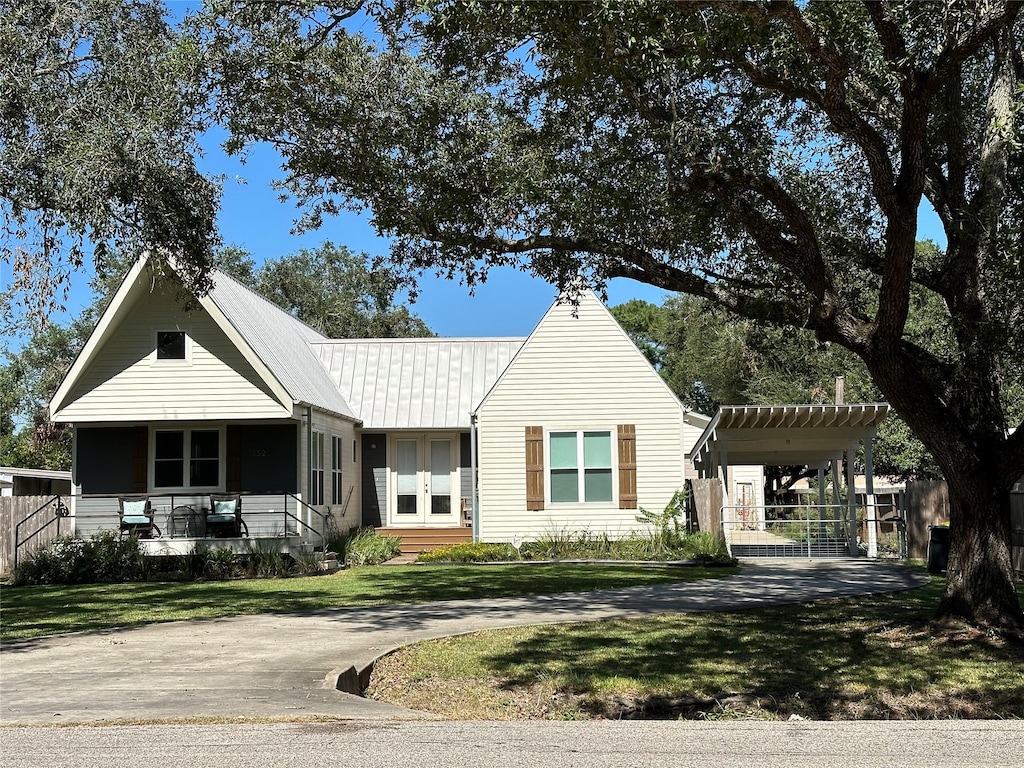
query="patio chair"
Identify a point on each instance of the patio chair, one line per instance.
(223, 517)
(137, 517)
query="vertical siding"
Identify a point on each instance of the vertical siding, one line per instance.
(126, 383)
(574, 373)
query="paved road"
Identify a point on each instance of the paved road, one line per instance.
(290, 665)
(745, 744)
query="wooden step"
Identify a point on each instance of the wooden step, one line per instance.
(425, 539)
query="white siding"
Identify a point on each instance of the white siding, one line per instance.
(345, 515)
(575, 373)
(126, 383)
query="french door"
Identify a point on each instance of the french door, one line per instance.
(424, 487)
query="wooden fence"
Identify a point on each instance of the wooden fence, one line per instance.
(14, 509)
(707, 501)
(928, 504)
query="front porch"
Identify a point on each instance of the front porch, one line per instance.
(279, 522)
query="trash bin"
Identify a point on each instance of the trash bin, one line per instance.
(938, 548)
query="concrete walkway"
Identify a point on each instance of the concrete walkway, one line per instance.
(291, 665)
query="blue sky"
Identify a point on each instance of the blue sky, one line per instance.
(509, 304)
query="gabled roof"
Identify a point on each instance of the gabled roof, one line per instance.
(776, 435)
(587, 296)
(274, 343)
(429, 383)
(282, 343)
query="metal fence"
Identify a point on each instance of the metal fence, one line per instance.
(814, 531)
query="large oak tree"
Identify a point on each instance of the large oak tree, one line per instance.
(771, 157)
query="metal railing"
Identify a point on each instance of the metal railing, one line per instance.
(813, 531)
(182, 515)
(60, 511)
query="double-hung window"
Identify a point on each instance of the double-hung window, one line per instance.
(186, 458)
(580, 466)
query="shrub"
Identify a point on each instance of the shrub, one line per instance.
(263, 559)
(365, 547)
(706, 547)
(476, 552)
(665, 531)
(104, 558)
(307, 562)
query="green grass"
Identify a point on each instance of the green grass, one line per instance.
(44, 610)
(870, 657)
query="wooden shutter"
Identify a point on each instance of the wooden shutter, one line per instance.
(140, 460)
(627, 466)
(233, 469)
(534, 468)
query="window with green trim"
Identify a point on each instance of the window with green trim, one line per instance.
(580, 466)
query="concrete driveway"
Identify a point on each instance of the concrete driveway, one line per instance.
(292, 665)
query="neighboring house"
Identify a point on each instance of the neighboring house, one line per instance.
(570, 429)
(18, 481)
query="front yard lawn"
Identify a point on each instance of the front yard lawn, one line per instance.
(45, 610)
(858, 658)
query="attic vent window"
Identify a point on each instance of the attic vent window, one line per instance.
(170, 345)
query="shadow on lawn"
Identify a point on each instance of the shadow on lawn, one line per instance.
(873, 657)
(43, 610)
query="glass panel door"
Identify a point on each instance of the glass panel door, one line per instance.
(440, 477)
(423, 480)
(407, 473)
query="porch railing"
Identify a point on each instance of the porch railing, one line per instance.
(182, 515)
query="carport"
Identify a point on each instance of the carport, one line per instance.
(818, 436)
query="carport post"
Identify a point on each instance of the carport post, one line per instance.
(851, 497)
(836, 498)
(869, 497)
(821, 488)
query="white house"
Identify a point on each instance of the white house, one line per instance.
(176, 400)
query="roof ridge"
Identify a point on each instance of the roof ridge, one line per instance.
(265, 300)
(421, 339)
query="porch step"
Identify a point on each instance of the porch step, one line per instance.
(425, 539)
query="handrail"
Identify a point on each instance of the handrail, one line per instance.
(61, 511)
(323, 519)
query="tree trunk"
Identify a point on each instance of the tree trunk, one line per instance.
(980, 581)
(967, 438)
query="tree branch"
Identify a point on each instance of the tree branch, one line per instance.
(951, 59)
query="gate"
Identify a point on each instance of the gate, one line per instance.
(813, 531)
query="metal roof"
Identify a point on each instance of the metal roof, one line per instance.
(785, 434)
(430, 383)
(282, 342)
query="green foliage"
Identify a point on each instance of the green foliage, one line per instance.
(263, 559)
(104, 558)
(706, 547)
(204, 563)
(334, 290)
(664, 541)
(666, 533)
(365, 547)
(710, 357)
(103, 105)
(475, 552)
